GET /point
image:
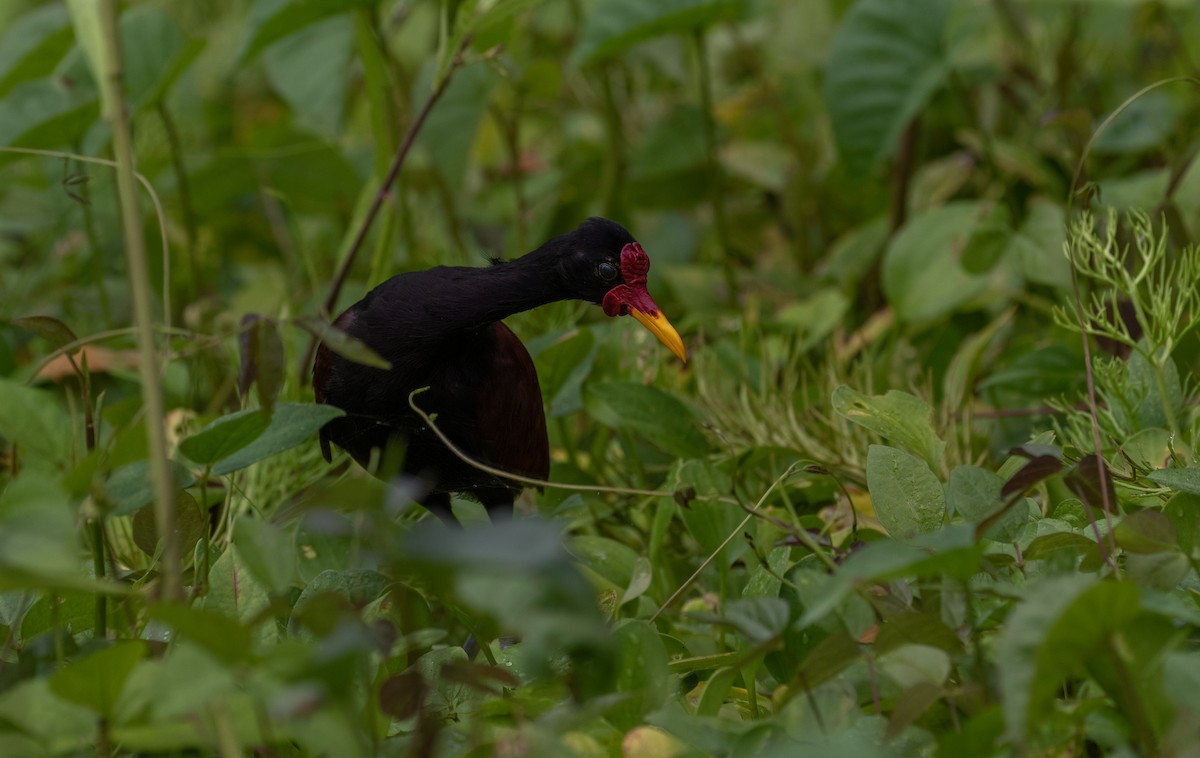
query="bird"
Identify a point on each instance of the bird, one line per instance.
(443, 328)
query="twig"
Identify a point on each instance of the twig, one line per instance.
(526, 480)
(360, 237)
(139, 284)
(736, 531)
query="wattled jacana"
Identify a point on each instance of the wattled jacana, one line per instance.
(441, 329)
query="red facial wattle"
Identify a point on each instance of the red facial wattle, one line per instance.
(632, 298)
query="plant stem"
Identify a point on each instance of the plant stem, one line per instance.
(139, 284)
(185, 198)
(716, 190)
(343, 271)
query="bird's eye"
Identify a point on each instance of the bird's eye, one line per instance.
(606, 271)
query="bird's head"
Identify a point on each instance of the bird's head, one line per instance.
(605, 265)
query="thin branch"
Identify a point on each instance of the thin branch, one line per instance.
(339, 278)
(139, 284)
(526, 480)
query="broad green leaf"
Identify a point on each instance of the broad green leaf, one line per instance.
(642, 673)
(974, 493)
(907, 496)
(708, 520)
(902, 419)
(913, 664)
(887, 60)
(34, 420)
(1051, 634)
(988, 241)
(129, 488)
(1146, 531)
(764, 583)
(1036, 250)
(612, 26)
(1183, 509)
(232, 589)
(227, 451)
(449, 131)
(272, 20)
(223, 437)
(34, 705)
(815, 317)
(96, 681)
(923, 277)
(37, 528)
(562, 367)
(219, 634)
(358, 586)
(716, 689)
(153, 53)
(309, 69)
(1142, 124)
(266, 551)
(1179, 479)
(341, 343)
(759, 618)
(44, 114)
(33, 45)
(48, 328)
(608, 558)
(177, 686)
(663, 419)
(261, 356)
(190, 525)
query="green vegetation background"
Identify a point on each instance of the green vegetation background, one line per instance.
(882, 525)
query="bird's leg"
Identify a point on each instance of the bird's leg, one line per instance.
(498, 501)
(438, 503)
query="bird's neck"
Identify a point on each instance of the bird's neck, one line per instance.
(515, 286)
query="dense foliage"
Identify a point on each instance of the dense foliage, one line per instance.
(895, 504)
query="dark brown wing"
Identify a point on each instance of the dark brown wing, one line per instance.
(512, 420)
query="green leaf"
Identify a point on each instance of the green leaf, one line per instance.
(130, 488)
(239, 440)
(923, 277)
(1050, 635)
(34, 420)
(886, 61)
(642, 673)
(1183, 509)
(1179, 479)
(33, 45)
(716, 689)
(266, 551)
(901, 418)
(37, 528)
(96, 681)
(449, 131)
(343, 344)
(219, 634)
(608, 558)
(974, 493)
(272, 20)
(907, 496)
(562, 367)
(190, 525)
(44, 114)
(48, 328)
(260, 350)
(759, 618)
(613, 26)
(1146, 531)
(223, 437)
(663, 419)
(309, 69)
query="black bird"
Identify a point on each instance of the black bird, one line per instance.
(442, 329)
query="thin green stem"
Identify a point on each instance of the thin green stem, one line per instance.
(716, 190)
(139, 283)
(185, 198)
